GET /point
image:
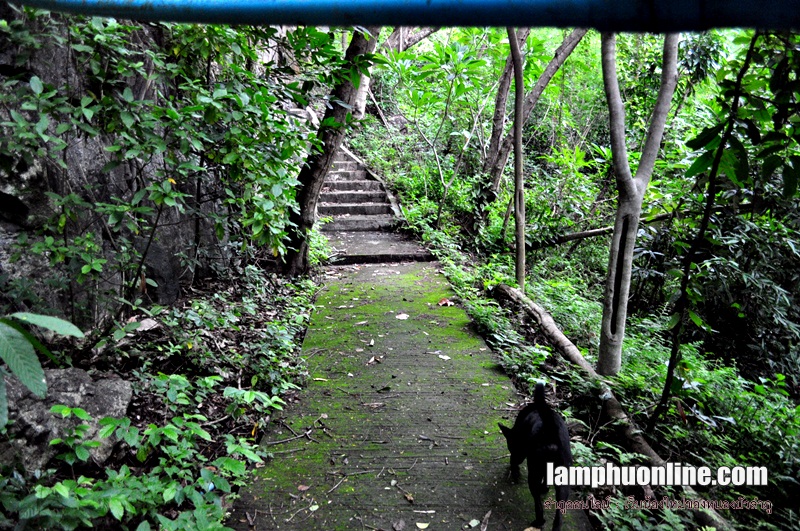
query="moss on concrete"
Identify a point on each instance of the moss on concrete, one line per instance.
(399, 420)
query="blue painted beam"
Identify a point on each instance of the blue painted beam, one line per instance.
(617, 15)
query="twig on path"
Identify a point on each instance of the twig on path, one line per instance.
(293, 450)
(337, 484)
(313, 503)
(306, 434)
(251, 520)
(283, 423)
(365, 526)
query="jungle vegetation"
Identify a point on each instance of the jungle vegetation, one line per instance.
(659, 183)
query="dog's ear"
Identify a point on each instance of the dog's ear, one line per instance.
(505, 429)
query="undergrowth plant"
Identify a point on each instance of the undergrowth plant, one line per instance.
(209, 376)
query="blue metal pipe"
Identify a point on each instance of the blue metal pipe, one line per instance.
(616, 15)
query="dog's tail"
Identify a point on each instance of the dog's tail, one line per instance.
(538, 395)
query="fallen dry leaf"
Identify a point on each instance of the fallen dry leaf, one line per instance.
(409, 497)
(485, 522)
(303, 488)
(446, 302)
(147, 324)
(421, 525)
(399, 525)
(445, 358)
(401, 316)
(361, 323)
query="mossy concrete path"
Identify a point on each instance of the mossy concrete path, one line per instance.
(397, 428)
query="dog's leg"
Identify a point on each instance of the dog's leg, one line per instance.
(538, 489)
(562, 495)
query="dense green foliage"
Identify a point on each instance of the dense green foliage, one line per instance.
(733, 397)
(200, 153)
(195, 133)
(197, 151)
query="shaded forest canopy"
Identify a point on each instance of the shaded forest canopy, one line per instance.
(151, 173)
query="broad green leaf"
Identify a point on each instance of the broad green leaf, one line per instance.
(116, 508)
(144, 526)
(36, 85)
(82, 453)
(705, 137)
(673, 321)
(127, 119)
(57, 325)
(701, 164)
(42, 125)
(170, 492)
(61, 489)
(696, 319)
(20, 357)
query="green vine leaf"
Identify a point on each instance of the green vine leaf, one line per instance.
(18, 354)
(57, 325)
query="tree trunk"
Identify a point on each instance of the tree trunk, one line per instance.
(498, 160)
(519, 188)
(319, 162)
(631, 192)
(499, 118)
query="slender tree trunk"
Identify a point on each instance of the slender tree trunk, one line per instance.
(318, 163)
(499, 159)
(519, 188)
(682, 304)
(631, 192)
(503, 88)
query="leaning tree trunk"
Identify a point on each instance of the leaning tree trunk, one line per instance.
(631, 192)
(331, 133)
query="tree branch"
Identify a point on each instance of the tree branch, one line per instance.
(669, 79)
(616, 111)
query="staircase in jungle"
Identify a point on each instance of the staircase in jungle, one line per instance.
(363, 216)
(355, 198)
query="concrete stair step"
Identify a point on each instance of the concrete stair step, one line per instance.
(353, 196)
(354, 209)
(341, 186)
(366, 247)
(346, 175)
(360, 223)
(344, 164)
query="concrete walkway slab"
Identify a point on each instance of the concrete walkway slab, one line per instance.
(398, 425)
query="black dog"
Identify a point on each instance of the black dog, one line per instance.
(540, 435)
